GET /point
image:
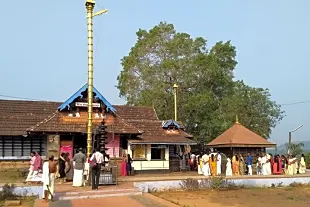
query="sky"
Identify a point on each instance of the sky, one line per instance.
(43, 46)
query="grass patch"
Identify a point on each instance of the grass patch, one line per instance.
(13, 175)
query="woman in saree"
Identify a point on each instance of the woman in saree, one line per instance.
(123, 166)
(277, 165)
(235, 165)
(213, 165)
(241, 165)
(68, 168)
(199, 163)
(291, 165)
(228, 168)
(284, 161)
(302, 165)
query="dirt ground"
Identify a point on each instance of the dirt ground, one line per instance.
(253, 197)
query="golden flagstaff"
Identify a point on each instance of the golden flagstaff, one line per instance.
(90, 4)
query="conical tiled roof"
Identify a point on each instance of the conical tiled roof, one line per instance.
(239, 136)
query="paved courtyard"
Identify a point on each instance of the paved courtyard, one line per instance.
(145, 200)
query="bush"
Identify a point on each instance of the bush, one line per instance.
(213, 183)
(296, 184)
(190, 184)
(7, 192)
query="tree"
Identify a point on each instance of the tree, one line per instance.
(208, 97)
(255, 108)
(295, 148)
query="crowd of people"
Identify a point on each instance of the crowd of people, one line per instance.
(76, 169)
(265, 164)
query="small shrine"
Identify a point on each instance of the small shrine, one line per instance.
(240, 140)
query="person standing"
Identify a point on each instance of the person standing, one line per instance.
(128, 165)
(68, 168)
(302, 165)
(37, 166)
(206, 165)
(258, 165)
(264, 164)
(79, 160)
(96, 161)
(32, 161)
(249, 163)
(277, 165)
(123, 166)
(62, 166)
(241, 165)
(218, 163)
(228, 168)
(48, 178)
(213, 167)
(268, 164)
(199, 163)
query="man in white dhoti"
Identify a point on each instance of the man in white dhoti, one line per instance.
(48, 178)
(206, 166)
(79, 160)
(228, 168)
(218, 163)
(264, 165)
(268, 164)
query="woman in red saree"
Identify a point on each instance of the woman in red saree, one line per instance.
(123, 166)
(277, 165)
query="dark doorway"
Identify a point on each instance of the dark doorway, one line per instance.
(80, 141)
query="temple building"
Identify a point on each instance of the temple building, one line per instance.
(53, 127)
(239, 140)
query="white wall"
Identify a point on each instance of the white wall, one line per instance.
(149, 164)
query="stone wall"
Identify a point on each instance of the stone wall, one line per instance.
(251, 182)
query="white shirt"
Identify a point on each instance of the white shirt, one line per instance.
(219, 158)
(98, 156)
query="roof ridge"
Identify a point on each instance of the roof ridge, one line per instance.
(50, 117)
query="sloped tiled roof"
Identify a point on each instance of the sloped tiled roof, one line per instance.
(16, 115)
(19, 117)
(240, 136)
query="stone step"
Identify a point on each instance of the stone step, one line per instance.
(96, 194)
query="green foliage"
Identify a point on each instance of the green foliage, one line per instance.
(208, 97)
(295, 149)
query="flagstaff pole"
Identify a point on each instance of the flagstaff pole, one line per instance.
(90, 4)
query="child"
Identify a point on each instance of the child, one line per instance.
(258, 165)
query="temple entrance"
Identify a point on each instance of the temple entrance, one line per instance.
(80, 141)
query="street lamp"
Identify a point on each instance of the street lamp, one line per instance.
(175, 87)
(290, 138)
(90, 4)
